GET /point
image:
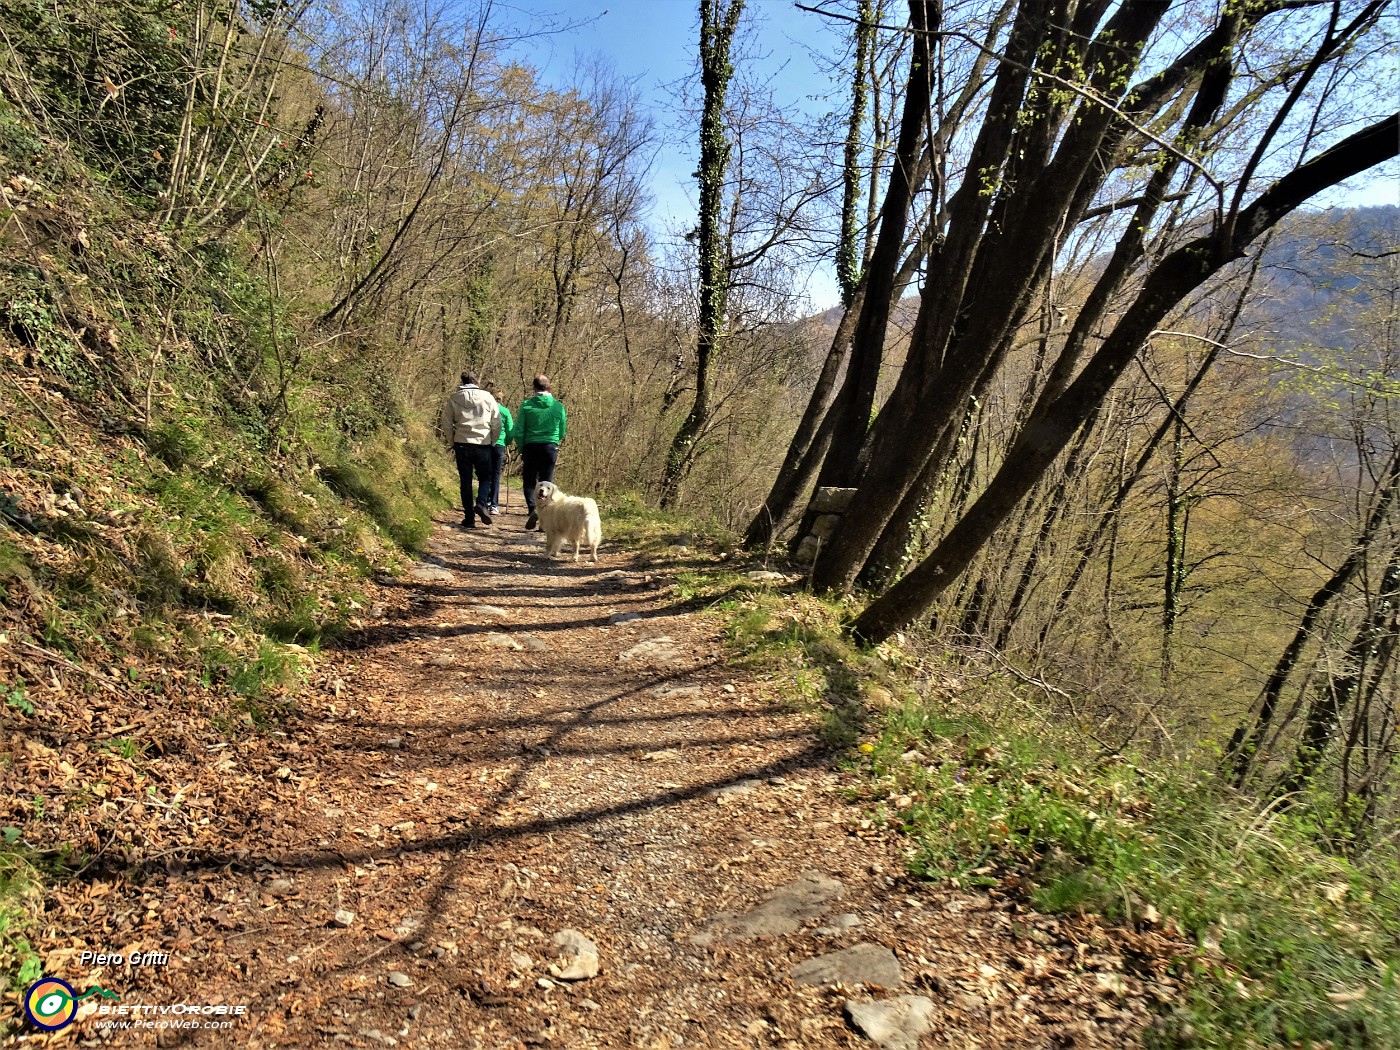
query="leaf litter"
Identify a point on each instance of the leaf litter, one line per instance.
(392, 864)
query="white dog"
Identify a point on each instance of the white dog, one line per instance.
(567, 518)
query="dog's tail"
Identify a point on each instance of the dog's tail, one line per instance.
(594, 527)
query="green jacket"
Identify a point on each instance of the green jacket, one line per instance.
(541, 420)
(507, 424)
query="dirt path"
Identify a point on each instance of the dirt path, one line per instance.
(516, 748)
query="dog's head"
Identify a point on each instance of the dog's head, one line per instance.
(544, 493)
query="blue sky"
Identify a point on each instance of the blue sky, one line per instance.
(653, 43)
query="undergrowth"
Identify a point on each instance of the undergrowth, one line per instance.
(19, 895)
(655, 534)
(181, 515)
(1293, 945)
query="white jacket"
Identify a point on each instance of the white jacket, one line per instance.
(471, 417)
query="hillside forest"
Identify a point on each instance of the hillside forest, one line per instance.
(1111, 402)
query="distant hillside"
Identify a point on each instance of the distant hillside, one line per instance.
(1321, 273)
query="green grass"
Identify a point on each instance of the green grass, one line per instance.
(122, 747)
(628, 521)
(13, 563)
(797, 640)
(20, 965)
(262, 683)
(1295, 946)
(388, 484)
(1286, 944)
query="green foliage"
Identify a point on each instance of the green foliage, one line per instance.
(657, 533)
(402, 507)
(1292, 944)
(1292, 941)
(13, 564)
(123, 106)
(13, 695)
(798, 639)
(122, 747)
(20, 965)
(178, 442)
(262, 682)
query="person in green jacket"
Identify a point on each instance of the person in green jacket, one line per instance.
(538, 432)
(498, 450)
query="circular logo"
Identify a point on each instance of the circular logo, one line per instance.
(50, 1004)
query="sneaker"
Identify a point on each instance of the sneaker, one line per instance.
(532, 520)
(495, 509)
(482, 513)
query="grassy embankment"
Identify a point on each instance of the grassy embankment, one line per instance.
(190, 503)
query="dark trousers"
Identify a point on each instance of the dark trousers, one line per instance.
(536, 465)
(498, 462)
(473, 459)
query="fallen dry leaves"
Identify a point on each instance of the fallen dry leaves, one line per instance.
(387, 867)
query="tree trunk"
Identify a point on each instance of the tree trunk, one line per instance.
(1174, 569)
(998, 249)
(1361, 666)
(856, 398)
(1053, 424)
(808, 445)
(717, 26)
(848, 250)
(1246, 740)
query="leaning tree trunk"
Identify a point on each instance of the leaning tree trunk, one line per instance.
(1247, 738)
(802, 459)
(1046, 161)
(1053, 424)
(857, 395)
(1365, 662)
(952, 347)
(808, 445)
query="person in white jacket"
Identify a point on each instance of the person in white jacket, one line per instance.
(471, 421)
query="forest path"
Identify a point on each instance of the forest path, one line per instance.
(518, 747)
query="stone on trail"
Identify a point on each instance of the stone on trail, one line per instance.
(862, 963)
(578, 957)
(660, 651)
(343, 919)
(783, 911)
(842, 923)
(502, 641)
(429, 573)
(895, 1024)
(678, 690)
(400, 980)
